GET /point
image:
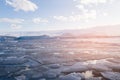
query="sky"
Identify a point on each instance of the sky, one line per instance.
(42, 15)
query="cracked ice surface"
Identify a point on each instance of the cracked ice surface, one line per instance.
(55, 59)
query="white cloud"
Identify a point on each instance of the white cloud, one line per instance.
(13, 22)
(92, 2)
(90, 15)
(82, 8)
(61, 18)
(39, 20)
(86, 16)
(86, 2)
(105, 14)
(25, 5)
(88, 7)
(14, 26)
(9, 20)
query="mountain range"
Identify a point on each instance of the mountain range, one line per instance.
(94, 31)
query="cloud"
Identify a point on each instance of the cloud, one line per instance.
(61, 18)
(87, 11)
(87, 2)
(39, 20)
(14, 23)
(92, 2)
(87, 6)
(74, 18)
(14, 26)
(25, 5)
(81, 4)
(92, 14)
(9, 20)
(105, 14)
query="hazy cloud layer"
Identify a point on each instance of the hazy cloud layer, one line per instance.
(10, 20)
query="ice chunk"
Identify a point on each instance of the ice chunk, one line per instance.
(99, 67)
(72, 76)
(111, 75)
(78, 67)
(95, 78)
(42, 79)
(54, 66)
(22, 77)
(51, 74)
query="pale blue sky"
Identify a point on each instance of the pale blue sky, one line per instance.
(39, 15)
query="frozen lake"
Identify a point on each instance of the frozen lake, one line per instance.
(102, 40)
(60, 59)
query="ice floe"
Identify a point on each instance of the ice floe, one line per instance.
(111, 75)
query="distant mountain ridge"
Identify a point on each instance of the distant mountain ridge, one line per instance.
(94, 31)
(102, 31)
